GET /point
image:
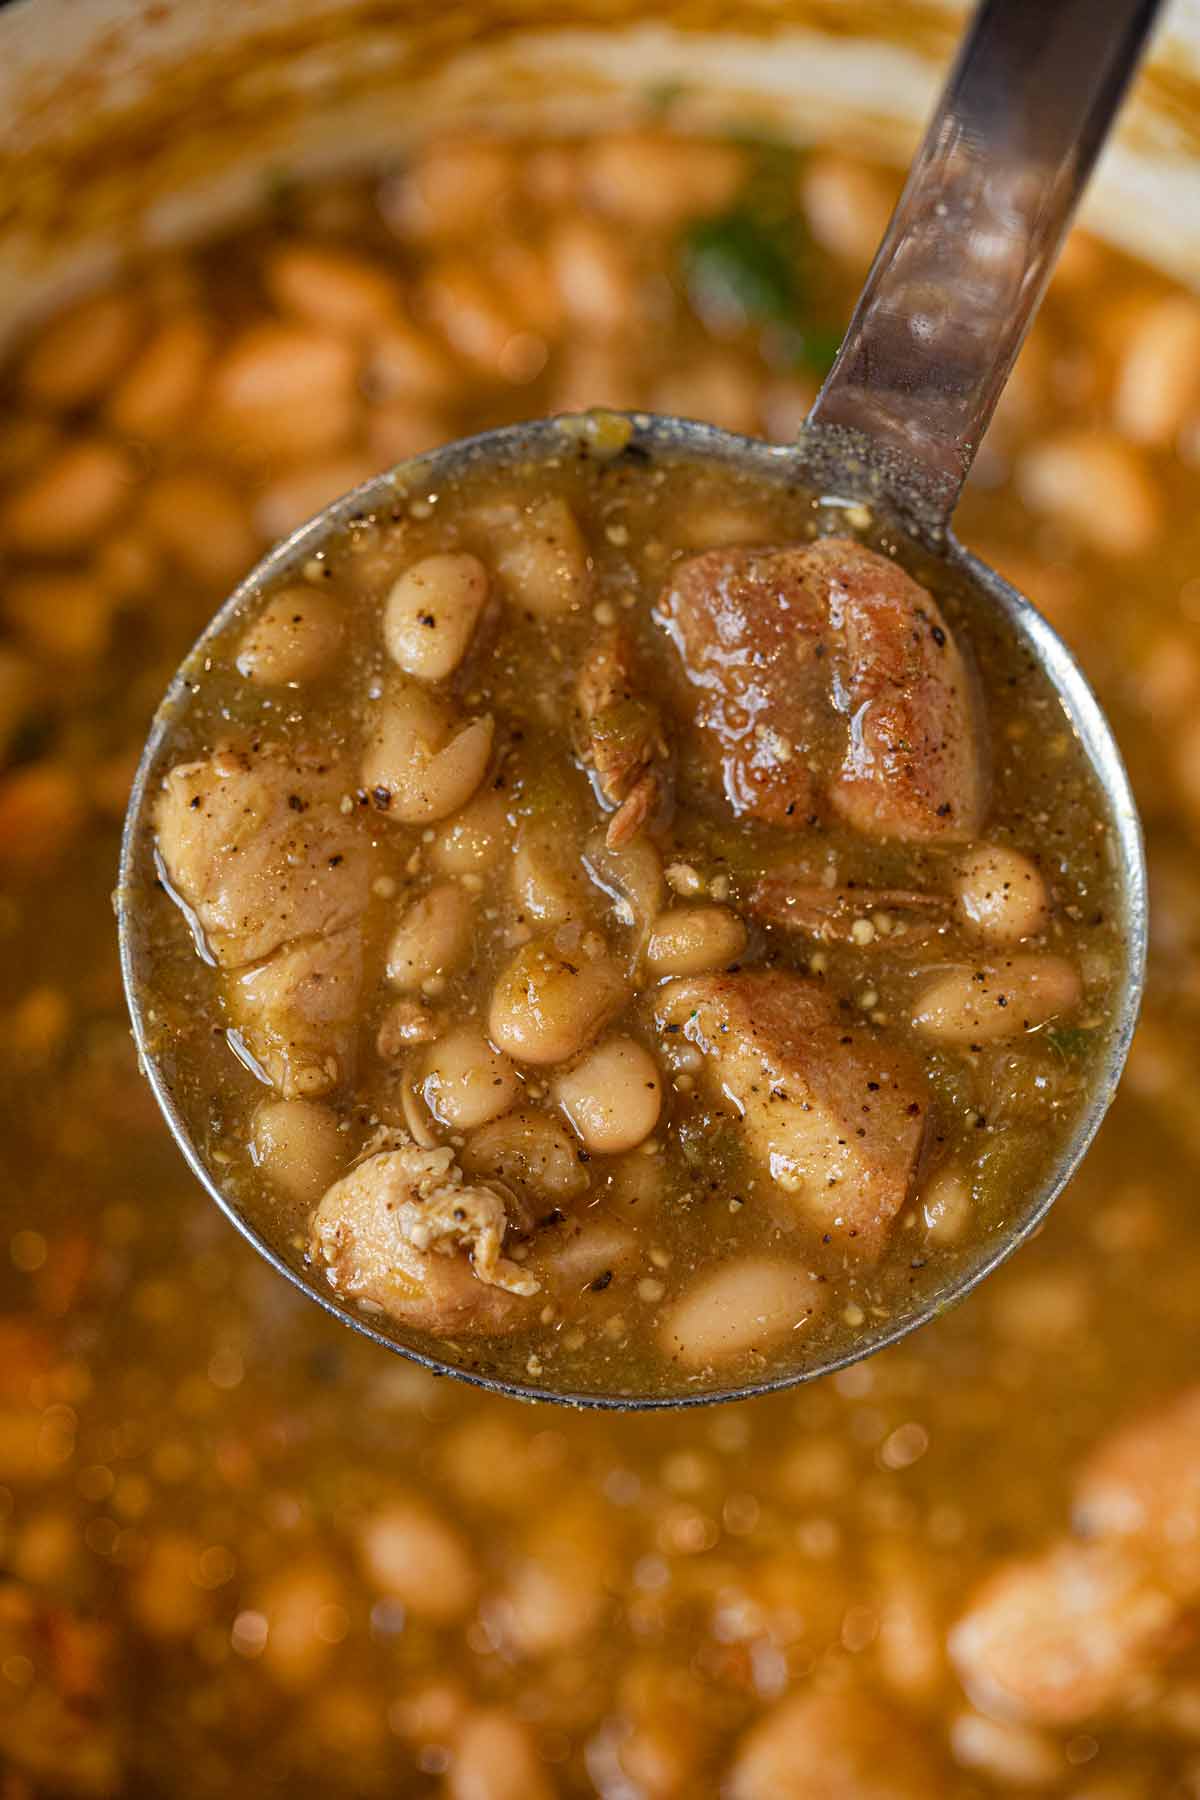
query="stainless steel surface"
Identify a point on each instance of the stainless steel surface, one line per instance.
(829, 461)
(968, 253)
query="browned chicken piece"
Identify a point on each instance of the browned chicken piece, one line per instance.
(619, 737)
(849, 914)
(825, 680)
(834, 1117)
(297, 1013)
(254, 842)
(833, 1746)
(1141, 1485)
(404, 1231)
(1064, 1637)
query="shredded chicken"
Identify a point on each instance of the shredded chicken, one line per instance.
(619, 737)
(404, 1229)
(858, 915)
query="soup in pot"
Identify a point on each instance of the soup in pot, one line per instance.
(244, 1549)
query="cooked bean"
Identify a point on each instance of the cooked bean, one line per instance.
(546, 1008)
(474, 839)
(718, 387)
(464, 306)
(530, 1153)
(294, 498)
(848, 205)
(79, 353)
(612, 1097)
(632, 877)
(982, 1005)
(541, 558)
(1096, 485)
(128, 564)
(69, 501)
(581, 1250)
(1013, 1755)
(495, 1758)
(593, 275)
(403, 429)
(658, 182)
(946, 1205)
(1002, 893)
(466, 1082)
(695, 940)
(451, 189)
(42, 811)
(300, 1147)
(286, 391)
(433, 937)
(62, 615)
(201, 522)
(299, 1597)
(294, 638)
(1158, 378)
(157, 393)
(413, 1555)
(750, 1303)
(431, 614)
(418, 765)
(330, 288)
(405, 363)
(547, 879)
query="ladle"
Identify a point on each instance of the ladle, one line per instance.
(958, 277)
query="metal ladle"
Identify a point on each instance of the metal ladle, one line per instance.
(961, 271)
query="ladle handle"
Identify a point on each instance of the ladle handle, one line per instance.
(971, 245)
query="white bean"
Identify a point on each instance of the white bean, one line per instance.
(431, 614)
(495, 1758)
(1158, 377)
(546, 1008)
(432, 938)
(69, 500)
(202, 523)
(1002, 894)
(592, 272)
(1097, 485)
(330, 288)
(946, 1205)
(983, 1005)
(78, 354)
(285, 391)
(466, 1082)
(422, 766)
(155, 395)
(530, 1152)
(294, 638)
(473, 839)
(411, 1553)
(694, 940)
(547, 879)
(749, 1304)
(612, 1097)
(542, 560)
(299, 1147)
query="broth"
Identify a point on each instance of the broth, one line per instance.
(242, 1548)
(701, 1043)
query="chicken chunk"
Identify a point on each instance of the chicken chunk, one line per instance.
(297, 1012)
(824, 680)
(1142, 1485)
(835, 1746)
(847, 914)
(403, 1230)
(254, 843)
(1063, 1637)
(619, 737)
(835, 1118)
